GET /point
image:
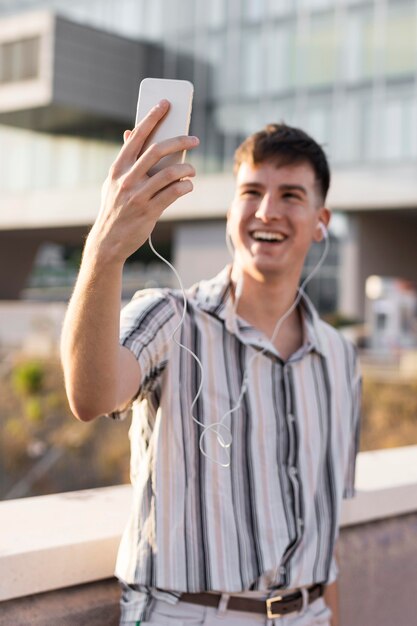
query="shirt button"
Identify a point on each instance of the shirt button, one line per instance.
(282, 570)
(293, 470)
(291, 417)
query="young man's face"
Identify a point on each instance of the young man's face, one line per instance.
(274, 218)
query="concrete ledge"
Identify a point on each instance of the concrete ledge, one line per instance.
(386, 482)
(60, 540)
(68, 539)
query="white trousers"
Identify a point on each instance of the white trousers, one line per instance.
(184, 614)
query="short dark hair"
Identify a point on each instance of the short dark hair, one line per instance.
(285, 145)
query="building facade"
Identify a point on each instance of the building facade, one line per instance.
(344, 70)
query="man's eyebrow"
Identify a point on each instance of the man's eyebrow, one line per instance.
(249, 183)
(287, 187)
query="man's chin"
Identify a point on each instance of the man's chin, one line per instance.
(269, 265)
(264, 268)
(265, 272)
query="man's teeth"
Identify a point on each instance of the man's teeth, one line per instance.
(261, 235)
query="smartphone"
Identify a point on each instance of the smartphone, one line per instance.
(176, 122)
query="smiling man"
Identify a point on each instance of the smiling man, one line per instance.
(237, 485)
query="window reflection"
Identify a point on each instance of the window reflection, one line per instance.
(320, 51)
(280, 57)
(401, 41)
(252, 63)
(361, 45)
(19, 60)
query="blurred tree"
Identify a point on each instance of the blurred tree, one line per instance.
(44, 449)
(28, 377)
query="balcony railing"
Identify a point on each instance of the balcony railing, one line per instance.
(57, 552)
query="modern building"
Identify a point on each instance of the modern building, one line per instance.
(345, 70)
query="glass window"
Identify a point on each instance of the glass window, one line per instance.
(346, 144)
(254, 10)
(184, 43)
(176, 16)
(215, 11)
(7, 148)
(318, 117)
(252, 63)
(279, 7)
(240, 119)
(19, 161)
(130, 17)
(372, 124)
(43, 163)
(392, 138)
(320, 51)
(360, 46)
(400, 50)
(277, 111)
(19, 60)
(316, 4)
(30, 160)
(280, 58)
(151, 26)
(251, 119)
(398, 141)
(412, 134)
(387, 127)
(215, 52)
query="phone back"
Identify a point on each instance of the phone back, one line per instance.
(176, 122)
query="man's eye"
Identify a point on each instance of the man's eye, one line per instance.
(292, 196)
(254, 193)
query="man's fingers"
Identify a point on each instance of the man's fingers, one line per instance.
(168, 176)
(134, 144)
(157, 151)
(126, 135)
(169, 194)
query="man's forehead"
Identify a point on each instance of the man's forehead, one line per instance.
(269, 172)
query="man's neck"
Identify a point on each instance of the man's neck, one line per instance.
(263, 304)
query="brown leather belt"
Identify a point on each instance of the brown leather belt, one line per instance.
(273, 607)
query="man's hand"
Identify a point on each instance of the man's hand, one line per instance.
(133, 201)
(101, 376)
(331, 597)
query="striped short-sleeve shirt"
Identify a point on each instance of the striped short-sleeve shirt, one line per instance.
(271, 518)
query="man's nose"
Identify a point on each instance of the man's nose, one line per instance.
(268, 209)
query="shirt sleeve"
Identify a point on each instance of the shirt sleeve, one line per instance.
(349, 486)
(147, 325)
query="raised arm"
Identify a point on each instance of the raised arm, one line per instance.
(100, 375)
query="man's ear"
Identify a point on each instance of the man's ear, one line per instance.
(322, 225)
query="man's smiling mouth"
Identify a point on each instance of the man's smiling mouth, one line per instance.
(267, 236)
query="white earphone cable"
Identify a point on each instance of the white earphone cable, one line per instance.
(225, 440)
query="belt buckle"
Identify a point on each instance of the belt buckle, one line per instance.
(269, 602)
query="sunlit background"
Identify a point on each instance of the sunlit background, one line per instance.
(345, 71)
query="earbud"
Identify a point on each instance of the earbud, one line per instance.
(323, 229)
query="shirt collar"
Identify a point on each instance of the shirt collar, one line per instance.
(215, 297)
